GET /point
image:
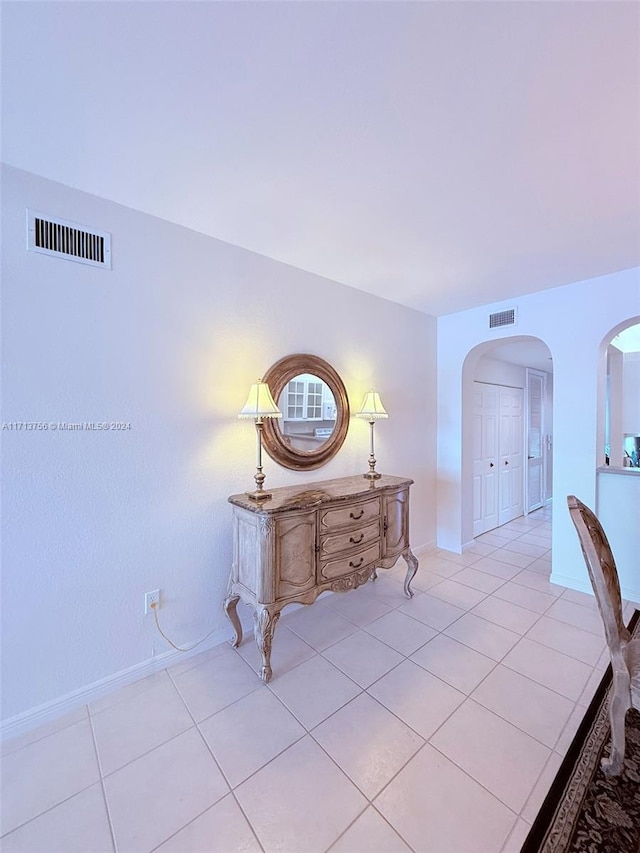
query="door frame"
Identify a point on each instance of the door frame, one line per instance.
(530, 371)
(456, 444)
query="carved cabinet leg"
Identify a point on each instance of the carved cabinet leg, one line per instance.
(230, 604)
(412, 567)
(264, 627)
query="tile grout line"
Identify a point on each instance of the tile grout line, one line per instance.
(66, 799)
(215, 760)
(7, 750)
(35, 817)
(102, 785)
(477, 781)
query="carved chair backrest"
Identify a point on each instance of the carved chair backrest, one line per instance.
(602, 572)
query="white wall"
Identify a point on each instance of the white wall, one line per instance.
(498, 372)
(169, 340)
(572, 321)
(618, 508)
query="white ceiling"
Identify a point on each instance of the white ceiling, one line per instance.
(527, 352)
(440, 154)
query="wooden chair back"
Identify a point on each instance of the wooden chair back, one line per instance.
(602, 572)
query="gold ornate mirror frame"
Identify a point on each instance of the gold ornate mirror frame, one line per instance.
(277, 377)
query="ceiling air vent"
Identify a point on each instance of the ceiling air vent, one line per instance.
(68, 240)
(502, 318)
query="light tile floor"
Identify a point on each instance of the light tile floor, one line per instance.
(434, 725)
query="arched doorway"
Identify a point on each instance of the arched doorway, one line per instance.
(507, 432)
(619, 395)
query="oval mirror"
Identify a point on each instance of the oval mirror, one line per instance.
(315, 412)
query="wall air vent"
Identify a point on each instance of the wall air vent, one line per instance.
(502, 318)
(64, 239)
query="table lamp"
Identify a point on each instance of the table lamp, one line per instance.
(372, 410)
(259, 405)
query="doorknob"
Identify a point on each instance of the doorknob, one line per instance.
(506, 462)
(490, 464)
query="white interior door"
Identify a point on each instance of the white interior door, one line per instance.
(535, 491)
(498, 442)
(486, 416)
(511, 438)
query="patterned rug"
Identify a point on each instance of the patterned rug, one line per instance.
(586, 811)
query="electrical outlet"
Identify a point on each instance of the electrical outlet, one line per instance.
(151, 598)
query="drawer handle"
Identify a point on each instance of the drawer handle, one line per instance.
(356, 517)
(356, 541)
(357, 565)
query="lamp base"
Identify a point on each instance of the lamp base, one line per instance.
(372, 475)
(259, 495)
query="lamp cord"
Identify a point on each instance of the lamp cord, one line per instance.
(154, 607)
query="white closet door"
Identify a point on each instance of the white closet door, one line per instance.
(486, 416)
(511, 447)
(498, 442)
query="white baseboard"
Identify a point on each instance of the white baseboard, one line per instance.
(424, 549)
(571, 582)
(628, 593)
(49, 711)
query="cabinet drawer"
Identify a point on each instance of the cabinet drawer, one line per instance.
(352, 562)
(351, 515)
(349, 540)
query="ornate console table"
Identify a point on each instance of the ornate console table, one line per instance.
(307, 539)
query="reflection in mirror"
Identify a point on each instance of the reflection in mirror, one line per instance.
(313, 401)
(308, 412)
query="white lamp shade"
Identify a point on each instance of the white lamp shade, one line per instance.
(260, 403)
(372, 408)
